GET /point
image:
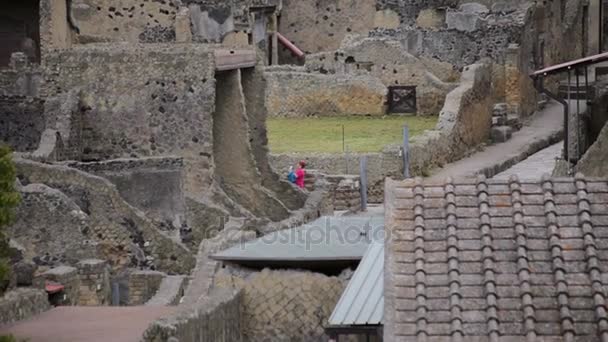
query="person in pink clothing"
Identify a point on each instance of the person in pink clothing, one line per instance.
(300, 174)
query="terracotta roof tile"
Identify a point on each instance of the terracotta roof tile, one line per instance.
(498, 260)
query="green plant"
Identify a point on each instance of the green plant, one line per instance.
(9, 338)
(9, 198)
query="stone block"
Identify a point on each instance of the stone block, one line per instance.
(91, 266)
(500, 109)
(501, 133)
(465, 22)
(474, 7)
(431, 19)
(183, 32)
(24, 272)
(387, 19)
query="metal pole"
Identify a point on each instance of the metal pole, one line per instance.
(363, 182)
(406, 162)
(577, 116)
(343, 139)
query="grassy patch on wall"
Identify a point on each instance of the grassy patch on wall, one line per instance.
(361, 133)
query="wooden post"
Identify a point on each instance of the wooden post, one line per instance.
(405, 152)
(363, 182)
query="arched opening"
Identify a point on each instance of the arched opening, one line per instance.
(20, 30)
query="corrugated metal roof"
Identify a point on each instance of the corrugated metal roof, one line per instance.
(327, 238)
(362, 303)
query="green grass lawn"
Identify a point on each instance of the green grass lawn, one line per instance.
(362, 134)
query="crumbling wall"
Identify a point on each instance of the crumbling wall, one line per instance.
(22, 304)
(210, 319)
(235, 165)
(21, 78)
(124, 20)
(83, 215)
(292, 93)
(254, 85)
(21, 122)
(316, 26)
(158, 108)
(388, 61)
(153, 185)
(287, 305)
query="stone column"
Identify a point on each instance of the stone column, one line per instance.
(94, 283)
(183, 31)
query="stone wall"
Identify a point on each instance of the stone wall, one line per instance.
(235, 164)
(80, 216)
(124, 20)
(387, 60)
(287, 305)
(158, 108)
(22, 303)
(293, 93)
(66, 276)
(21, 77)
(316, 26)
(593, 163)
(21, 122)
(213, 319)
(95, 287)
(143, 285)
(55, 31)
(153, 185)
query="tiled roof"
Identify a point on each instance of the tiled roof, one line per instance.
(362, 302)
(496, 260)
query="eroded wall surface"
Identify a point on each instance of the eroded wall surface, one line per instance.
(159, 107)
(21, 122)
(296, 93)
(124, 20)
(316, 26)
(67, 215)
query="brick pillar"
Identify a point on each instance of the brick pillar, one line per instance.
(94, 283)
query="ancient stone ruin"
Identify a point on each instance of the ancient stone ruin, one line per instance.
(139, 139)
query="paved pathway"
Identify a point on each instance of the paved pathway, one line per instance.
(90, 324)
(544, 129)
(535, 166)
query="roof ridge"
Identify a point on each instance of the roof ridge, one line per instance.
(421, 308)
(557, 260)
(487, 252)
(584, 220)
(457, 332)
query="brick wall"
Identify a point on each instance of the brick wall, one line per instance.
(143, 285)
(287, 305)
(95, 287)
(293, 93)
